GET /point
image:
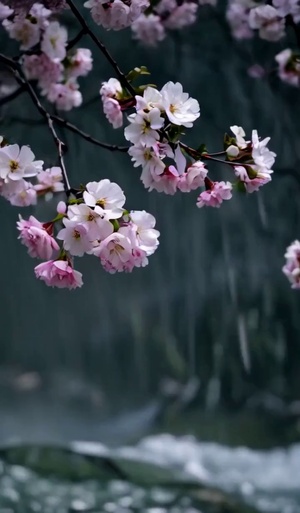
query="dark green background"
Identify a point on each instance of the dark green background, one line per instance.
(213, 296)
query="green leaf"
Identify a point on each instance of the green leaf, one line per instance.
(136, 72)
(202, 149)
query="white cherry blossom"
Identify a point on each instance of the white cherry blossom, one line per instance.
(180, 108)
(106, 195)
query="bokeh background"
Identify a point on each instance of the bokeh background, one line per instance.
(204, 341)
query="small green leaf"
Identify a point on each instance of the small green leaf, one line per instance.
(136, 72)
(202, 149)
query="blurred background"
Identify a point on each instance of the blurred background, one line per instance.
(204, 343)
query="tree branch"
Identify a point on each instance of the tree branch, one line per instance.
(101, 47)
(73, 128)
(76, 39)
(22, 80)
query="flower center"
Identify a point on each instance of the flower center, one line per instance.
(13, 166)
(76, 234)
(53, 41)
(101, 203)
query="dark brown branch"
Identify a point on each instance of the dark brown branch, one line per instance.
(73, 128)
(101, 47)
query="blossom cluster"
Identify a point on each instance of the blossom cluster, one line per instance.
(149, 21)
(16, 166)
(97, 224)
(269, 20)
(55, 68)
(155, 130)
(292, 267)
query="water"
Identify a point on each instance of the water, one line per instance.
(160, 474)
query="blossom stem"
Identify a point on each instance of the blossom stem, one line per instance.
(126, 84)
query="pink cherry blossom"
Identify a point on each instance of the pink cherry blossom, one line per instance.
(292, 267)
(5, 11)
(238, 18)
(75, 237)
(58, 273)
(54, 41)
(268, 21)
(148, 29)
(193, 178)
(215, 196)
(182, 15)
(24, 197)
(114, 252)
(65, 96)
(113, 112)
(166, 182)
(288, 67)
(42, 69)
(98, 228)
(36, 238)
(61, 207)
(80, 63)
(23, 30)
(49, 181)
(251, 184)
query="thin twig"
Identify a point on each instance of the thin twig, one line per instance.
(73, 128)
(76, 39)
(101, 47)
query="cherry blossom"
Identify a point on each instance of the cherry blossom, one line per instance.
(49, 181)
(193, 178)
(146, 235)
(54, 41)
(65, 96)
(148, 29)
(253, 182)
(215, 195)
(116, 14)
(36, 238)
(143, 127)
(114, 252)
(292, 267)
(17, 163)
(268, 21)
(23, 30)
(75, 237)
(58, 273)
(98, 228)
(5, 11)
(106, 196)
(80, 63)
(289, 67)
(180, 108)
